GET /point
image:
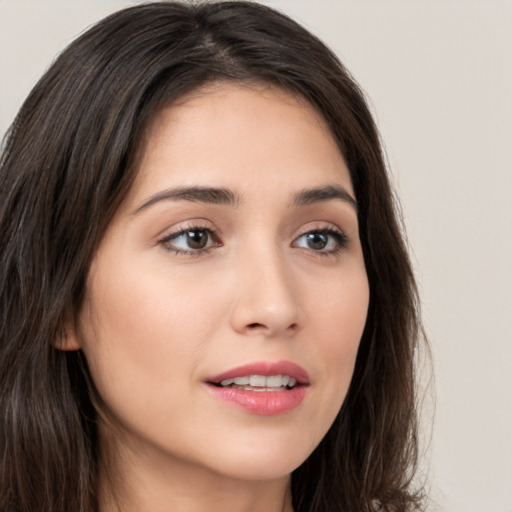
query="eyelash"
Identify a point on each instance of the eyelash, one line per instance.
(212, 236)
(341, 240)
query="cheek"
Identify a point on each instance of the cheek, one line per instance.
(339, 326)
(344, 320)
(144, 332)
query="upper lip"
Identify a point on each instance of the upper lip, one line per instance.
(265, 368)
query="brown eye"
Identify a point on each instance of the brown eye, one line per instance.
(190, 241)
(196, 239)
(317, 241)
(322, 241)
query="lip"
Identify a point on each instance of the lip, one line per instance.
(265, 368)
(266, 403)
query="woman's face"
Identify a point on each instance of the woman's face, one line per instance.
(235, 255)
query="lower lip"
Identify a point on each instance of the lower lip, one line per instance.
(265, 403)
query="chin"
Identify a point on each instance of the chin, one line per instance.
(268, 463)
(252, 471)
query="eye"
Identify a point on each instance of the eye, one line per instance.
(192, 240)
(324, 241)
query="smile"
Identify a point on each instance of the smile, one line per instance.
(263, 388)
(260, 383)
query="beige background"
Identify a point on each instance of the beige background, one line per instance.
(439, 75)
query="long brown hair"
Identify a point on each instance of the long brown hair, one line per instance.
(68, 161)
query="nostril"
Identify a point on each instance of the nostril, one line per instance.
(255, 325)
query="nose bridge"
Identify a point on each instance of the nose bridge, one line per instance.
(266, 299)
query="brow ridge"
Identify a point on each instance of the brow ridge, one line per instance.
(326, 193)
(224, 196)
(196, 194)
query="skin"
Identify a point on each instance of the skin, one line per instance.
(160, 317)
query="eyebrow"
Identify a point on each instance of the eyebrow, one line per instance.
(316, 195)
(208, 195)
(224, 196)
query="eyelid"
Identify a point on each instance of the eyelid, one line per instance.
(317, 226)
(213, 233)
(340, 235)
(332, 230)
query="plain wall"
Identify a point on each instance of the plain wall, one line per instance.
(439, 75)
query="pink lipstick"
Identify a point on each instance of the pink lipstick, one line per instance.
(265, 388)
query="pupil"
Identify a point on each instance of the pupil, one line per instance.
(197, 239)
(317, 241)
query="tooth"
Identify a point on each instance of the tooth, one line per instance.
(260, 381)
(274, 381)
(257, 380)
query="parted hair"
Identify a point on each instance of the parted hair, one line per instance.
(67, 162)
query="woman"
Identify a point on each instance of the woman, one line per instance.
(206, 301)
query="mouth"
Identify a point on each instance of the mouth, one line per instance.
(262, 375)
(264, 388)
(259, 383)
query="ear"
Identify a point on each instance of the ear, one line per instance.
(68, 339)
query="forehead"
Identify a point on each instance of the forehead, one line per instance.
(235, 136)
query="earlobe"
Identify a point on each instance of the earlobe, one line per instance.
(68, 339)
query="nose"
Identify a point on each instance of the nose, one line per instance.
(266, 298)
